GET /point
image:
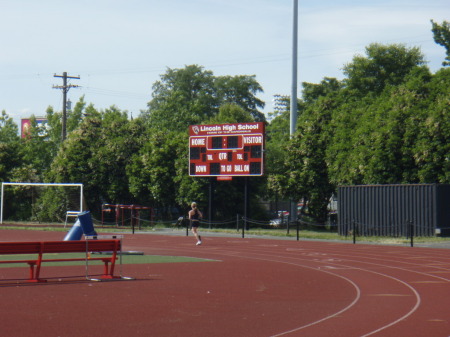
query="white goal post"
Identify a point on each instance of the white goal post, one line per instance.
(39, 184)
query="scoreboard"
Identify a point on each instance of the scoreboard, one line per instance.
(226, 150)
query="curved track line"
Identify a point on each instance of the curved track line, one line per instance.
(355, 286)
(414, 291)
(418, 302)
(355, 300)
(417, 295)
(345, 258)
(396, 267)
(264, 257)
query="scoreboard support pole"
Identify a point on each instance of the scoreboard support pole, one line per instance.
(210, 201)
(246, 203)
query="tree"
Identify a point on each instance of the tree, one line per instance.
(298, 168)
(37, 150)
(277, 137)
(97, 154)
(305, 174)
(382, 96)
(312, 92)
(193, 95)
(441, 35)
(431, 149)
(9, 146)
(384, 65)
(231, 113)
(182, 97)
(8, 129)
(75, 116)
(188, 189)
(384, 123)
(240, 90)
(151, 171)
(160, 169)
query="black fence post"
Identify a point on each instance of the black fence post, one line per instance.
(186, 221)
(298, 230)
(354, 231)
(244, 223)
(411, 231)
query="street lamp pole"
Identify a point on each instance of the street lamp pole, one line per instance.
(294, 70)
(293, 210)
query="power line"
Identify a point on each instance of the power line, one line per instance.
(115, 93)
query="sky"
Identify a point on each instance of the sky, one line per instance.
(120, 48)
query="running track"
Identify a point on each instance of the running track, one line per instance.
(248, 287)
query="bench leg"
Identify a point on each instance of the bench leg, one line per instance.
(108, 273)
(105, 270)
(33, 278)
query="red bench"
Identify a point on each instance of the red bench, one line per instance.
(51, 247)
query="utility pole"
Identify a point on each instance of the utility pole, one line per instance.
(65, 88)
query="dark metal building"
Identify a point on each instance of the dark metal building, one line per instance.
(392, 210)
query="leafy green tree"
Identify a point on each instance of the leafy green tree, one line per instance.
(240, 90)
(431, 150)
(42, 143)
(97, 154)
(368, 125)
(9, 146)
(384, 65)
(113, 149)
(160, 170)
(75, 116)
(298, 167)
(390, 138)
(188, 189)
(312, 92)
(371, 128)
(231, 113)
(8, 129)
(441, 34)
(182, 97)
(277, 138)
(9, 157)
(152, 170)
(37, 150)
(305, 172)
(193, 95)
(53, 131)
(16, 167)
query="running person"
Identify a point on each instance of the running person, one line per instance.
(194, 216)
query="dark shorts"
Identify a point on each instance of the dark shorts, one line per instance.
(195, 223)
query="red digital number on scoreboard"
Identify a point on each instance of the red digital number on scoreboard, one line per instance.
(226, 149)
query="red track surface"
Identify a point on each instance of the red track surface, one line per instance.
(251, 287)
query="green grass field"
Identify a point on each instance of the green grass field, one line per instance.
(273, 232)
(126, 259)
